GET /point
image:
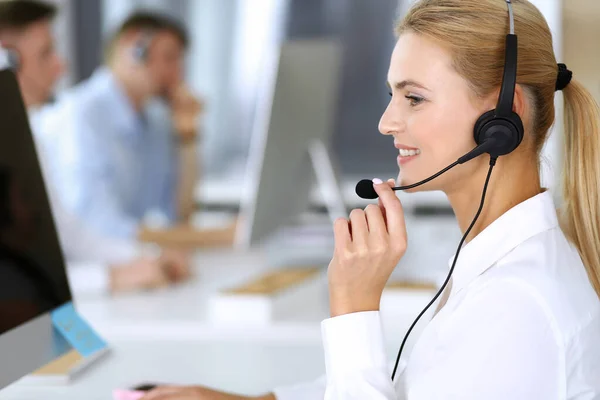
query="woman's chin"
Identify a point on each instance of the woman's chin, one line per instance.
(405, 181)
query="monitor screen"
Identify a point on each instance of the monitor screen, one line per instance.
(32, 269)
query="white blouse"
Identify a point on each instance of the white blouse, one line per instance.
(522, 322)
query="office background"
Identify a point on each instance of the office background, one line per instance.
(231, 37)
(229, 41)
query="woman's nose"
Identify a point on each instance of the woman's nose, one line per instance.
(390, 121)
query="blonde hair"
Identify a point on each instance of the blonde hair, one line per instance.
(474, 32)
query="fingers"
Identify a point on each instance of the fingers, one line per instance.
(393, 211)
(162, 392)
(376, 223)
(365, 227)
(341, 232)
(392, 183)
(166, 393)
(359, 228)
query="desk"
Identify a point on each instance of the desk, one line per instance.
(243, 367)
(181, 312)
(166, 336)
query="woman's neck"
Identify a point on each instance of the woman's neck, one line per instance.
(505, 190)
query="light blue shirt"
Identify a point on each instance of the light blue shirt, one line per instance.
(113, 166)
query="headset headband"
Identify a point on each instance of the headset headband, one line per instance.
(509, 79)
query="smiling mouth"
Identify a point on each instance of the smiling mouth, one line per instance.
(409, 153)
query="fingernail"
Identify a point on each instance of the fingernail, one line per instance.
(392, 180)
(377, 181)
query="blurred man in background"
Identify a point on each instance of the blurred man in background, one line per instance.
(123, 155)
(26, 33)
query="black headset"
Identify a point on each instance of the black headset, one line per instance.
(141, 47)
(13, 57)
(497, 132)
(502, 124)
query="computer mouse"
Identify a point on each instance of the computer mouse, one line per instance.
(146, 387)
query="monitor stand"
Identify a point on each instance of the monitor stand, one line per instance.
(308, 239)
(79, 343)
(327, 180)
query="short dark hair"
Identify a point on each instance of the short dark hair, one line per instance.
(153, 22)
(19, 14)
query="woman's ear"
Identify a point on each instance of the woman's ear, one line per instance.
(520, 102)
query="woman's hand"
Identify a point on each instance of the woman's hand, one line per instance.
(196, 393)
(367, 249)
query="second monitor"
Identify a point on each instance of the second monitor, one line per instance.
(289, 150)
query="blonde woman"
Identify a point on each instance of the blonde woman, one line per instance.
(520, 319)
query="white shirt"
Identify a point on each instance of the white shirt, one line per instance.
(522, 322)
(88, 253)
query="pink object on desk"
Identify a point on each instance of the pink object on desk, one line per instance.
(120, 394)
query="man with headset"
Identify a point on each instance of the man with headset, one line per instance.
(96, 263)
(127, 135)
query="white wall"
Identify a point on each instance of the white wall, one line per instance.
(212, 25)
(256, 34)
(551, 156)
(581, 49)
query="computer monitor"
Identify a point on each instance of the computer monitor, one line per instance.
(33, 279)
(289, 145)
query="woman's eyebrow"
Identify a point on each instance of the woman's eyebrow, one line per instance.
(407, 82)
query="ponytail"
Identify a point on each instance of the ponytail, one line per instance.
(580, 219)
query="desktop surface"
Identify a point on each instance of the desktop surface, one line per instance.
(166, 336)
(244, 367)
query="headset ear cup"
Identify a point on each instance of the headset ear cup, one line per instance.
(14, 59)
(481, 122)
(141, 48)
(139, 53)
(508, 132)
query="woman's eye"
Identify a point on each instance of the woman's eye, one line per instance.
(414, 100)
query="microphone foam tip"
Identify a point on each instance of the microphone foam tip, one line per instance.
(365, 189)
